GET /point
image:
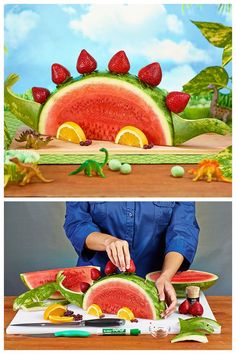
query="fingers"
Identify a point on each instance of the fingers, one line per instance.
(160, 287)
(118, 253)
(172, 300)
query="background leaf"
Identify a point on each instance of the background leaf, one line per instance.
(216, 33)
(227, 54)
(215, 75)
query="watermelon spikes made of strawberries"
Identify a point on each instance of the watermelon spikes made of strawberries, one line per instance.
(84, 286)
(119, 63)
(151, 74)
(177, 101)
(59, 74)
(86, 64)
(95, 274)
(40, 94)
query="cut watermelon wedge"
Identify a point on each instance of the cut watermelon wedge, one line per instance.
(73, 275)
(183, 279)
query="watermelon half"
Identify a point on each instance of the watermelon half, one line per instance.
(190, 277)
(74, 275)
(114, 292)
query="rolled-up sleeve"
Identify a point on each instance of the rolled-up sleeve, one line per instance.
(183, 232)
(78, 225)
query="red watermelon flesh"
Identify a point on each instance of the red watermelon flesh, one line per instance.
(74, 276)
(113, 294)
(103, 106)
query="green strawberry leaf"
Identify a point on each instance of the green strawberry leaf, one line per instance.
(216, 33)
(215, 75)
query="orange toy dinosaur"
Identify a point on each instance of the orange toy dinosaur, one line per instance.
(209, 170)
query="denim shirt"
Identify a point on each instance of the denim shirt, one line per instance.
(152, 229)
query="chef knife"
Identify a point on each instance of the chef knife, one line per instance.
(106, 322)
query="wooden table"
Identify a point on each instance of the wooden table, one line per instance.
(144, 181)
(221, 307)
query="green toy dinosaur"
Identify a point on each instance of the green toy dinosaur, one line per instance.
(89, 166)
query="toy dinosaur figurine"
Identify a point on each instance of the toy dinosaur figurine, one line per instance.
(209, 170)
(28, 170)
(33, 139)
(89, 166)
(216, 111)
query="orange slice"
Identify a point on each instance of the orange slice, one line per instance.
(131, 136)
(94, 310)
(125, 313)
(54, 310)
(60, 319)
(72, 132)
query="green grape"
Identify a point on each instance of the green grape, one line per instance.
(177, 171)
(126, 169)
(114, 165)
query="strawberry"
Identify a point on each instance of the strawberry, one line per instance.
(177, 101)
(40, 94)
(110, 268)
(184, 307)
(86, 64)
(84, 286)
(196, 309)
(151, 74)
(132, 267)
(95, 274)
(59, 74)
(119, 63)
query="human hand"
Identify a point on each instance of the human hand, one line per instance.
(118, 253)
(166, 293)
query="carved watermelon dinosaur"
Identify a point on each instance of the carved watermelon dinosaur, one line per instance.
(104, 102)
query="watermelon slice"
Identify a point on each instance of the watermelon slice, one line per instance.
(190, 277)
(103, 103)
(121, 290)
(73, 275)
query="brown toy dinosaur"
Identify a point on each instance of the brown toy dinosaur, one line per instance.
(29, 170)
(216, 111)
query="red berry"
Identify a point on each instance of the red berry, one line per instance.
(59, 74)
(196, 309)
(40, 94)
(119, 63)
(84, 286)
(177, 101)
(86, 64)
(151, 74)
(110, 268)
(95, 274)
(184, 307)
(132, 267)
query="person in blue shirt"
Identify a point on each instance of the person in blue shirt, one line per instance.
(156, 235)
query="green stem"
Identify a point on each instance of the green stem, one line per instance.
(186, 129)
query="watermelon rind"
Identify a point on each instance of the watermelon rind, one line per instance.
(149, 290)
(190, 336)
(73, 297)
(181, 286)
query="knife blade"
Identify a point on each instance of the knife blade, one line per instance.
(106, 322)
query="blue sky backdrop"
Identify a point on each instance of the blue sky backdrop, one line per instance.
(39, 35)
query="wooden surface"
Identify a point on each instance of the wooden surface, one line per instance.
(220, 305)
(203, 144)
(144, 181)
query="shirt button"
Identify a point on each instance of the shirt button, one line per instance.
(130, 214)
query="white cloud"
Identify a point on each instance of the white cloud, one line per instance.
(18, 26)
(69, 10)
(174, 79)
(168, 50)
(174, 24)
(138, 29)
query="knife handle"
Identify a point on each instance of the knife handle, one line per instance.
(106, 322)
(71, 333)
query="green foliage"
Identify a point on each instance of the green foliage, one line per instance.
(225, 159)
(215, 75)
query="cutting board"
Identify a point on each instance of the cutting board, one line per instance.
(171, 323)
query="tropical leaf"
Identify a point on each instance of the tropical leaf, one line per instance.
(227, 54)
(216, 33)
(214, 75)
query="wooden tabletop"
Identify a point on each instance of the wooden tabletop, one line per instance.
(144, 181)
(220, 305)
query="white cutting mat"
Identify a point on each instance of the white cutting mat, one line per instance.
(171, 323)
